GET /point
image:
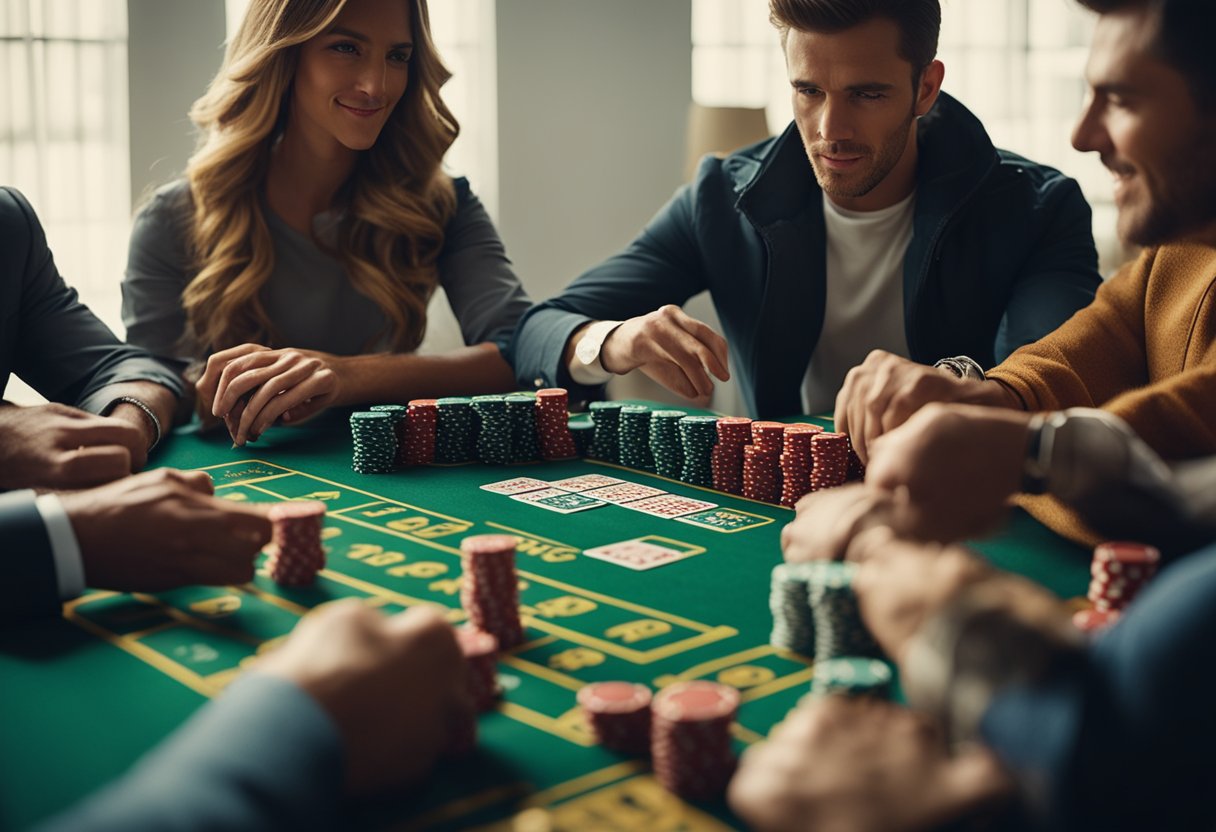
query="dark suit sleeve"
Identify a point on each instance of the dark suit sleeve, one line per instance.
(264, 755)
(1123, 740)
(662, 265)
(61, 350)
(1061, 275)
(32, 587)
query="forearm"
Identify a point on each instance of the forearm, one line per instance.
(159, 399)
(368, 379)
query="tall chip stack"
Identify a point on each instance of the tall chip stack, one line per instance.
(839, 628)
(420, 427)
(489, 589)
(582, 431)
(796, 462)
(494, 430)
(726, 459)
(857, 469)
(691, 739)
(375, 442)
(698, 435)
(852, 676)
(665, 447)
(455, 431)
(790, 603)
(606, 442)
(296, 554)
(553, 424)
(635, 437)
(400, 414)
(480, 650)
(521, 413)
(1118, 571)
(830, 460)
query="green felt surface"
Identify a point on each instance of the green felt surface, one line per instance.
(82, 697)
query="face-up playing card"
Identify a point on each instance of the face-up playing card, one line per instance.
(586, 482)
(516, 486)
(637, 554)
(563, 502)
(669, 505)
(623, 492)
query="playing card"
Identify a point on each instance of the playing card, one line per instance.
(669, 505)
(623, 492)
(563, 502)
(515, 486)
(586, 482)
(637, 554)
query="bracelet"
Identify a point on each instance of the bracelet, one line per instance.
(131, 400)
(1040, 447)
(962, 366)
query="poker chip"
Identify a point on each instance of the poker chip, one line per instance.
(400, 414)
(480, 650)
(582, 432)
(420, 431)
(295, 554)
(698, 436)
(374, 436)
(489, 588)
(666, 450)
(635, 437)
(619, 715)
(1119, 571)
(606, 438)
(789, 602)
(761, 474)
(456, 430)
(1092, 621)
(691, 740)
(839, 628)
(553, 425)
(726, 459)
(851, 676)
(829, 460)
(521, 414)
(494, 430)
(795, 462)
(856, 470)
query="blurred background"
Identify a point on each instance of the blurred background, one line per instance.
(579, 118)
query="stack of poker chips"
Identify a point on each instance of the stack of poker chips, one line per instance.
(726, 459)
(839, 629)
(521, 413)
(796, 462)
(665, 447)
(553, 424)
(455, 430)
(606, 444)
(761, 477)
(400, 413)
(494, 430)
(582, 432)
(635, 438)
(830, 460)
(852, 676)
(375, 442)
(619, 715)
(489, 590)
(691, 739)
(420, 431)
(296, 554)
(857, 469)
(698, 435)
(789, 601)
(1118, 572)
(480, 650)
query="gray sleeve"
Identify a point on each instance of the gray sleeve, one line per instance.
(477, 276)
(158, 270)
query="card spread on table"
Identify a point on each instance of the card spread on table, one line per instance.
(624, 492)
(563, 502)
(637, 554)
(669, 505)
(586, 482)
(518, 485)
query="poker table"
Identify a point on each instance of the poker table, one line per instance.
(84, 696)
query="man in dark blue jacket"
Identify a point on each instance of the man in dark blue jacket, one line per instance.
(908, 231)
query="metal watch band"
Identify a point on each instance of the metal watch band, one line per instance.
(963, 366)
(131, 400)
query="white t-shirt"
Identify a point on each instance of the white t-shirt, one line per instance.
(864, 306)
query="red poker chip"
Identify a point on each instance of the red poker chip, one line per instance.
(696, 701)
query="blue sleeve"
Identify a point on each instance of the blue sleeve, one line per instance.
(62, 349)
(263, 755)
(27, 560)
(1122, 739)
(662, 265)
(1061, 275)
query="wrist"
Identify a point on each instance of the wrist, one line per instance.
(139, 414)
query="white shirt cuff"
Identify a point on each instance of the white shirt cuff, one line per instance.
(69, 565)
(592, 375)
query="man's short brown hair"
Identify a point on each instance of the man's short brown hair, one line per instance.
(919, 21)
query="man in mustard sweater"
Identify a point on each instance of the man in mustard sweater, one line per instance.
(1144, 350)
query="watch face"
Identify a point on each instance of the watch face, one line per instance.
(587, 351)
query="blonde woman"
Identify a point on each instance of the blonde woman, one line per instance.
(314, 223)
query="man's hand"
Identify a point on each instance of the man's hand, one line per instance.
(952, 468)
(164, 529)
(252, 387)
(855, 765)
(827, 521)
(881, 393)
(394, 686)
(901, 584)
(56, 446)
(677, 351)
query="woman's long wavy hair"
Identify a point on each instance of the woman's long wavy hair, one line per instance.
(398, 199)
